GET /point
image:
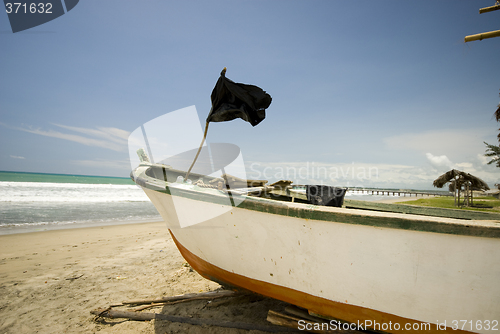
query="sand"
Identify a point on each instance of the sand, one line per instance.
(50, 281)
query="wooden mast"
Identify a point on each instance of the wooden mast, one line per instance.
(485, 35)
(481, 36)
(489, 9)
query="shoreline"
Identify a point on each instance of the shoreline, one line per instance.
(55, 226)
(46, 227)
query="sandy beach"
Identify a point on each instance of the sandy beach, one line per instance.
(50, 281)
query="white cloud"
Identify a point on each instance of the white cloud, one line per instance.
(112, 134)
(109, 138)
(439, 161)
(465, 165)
(343, 174)
(442, 149)
(454, 143)
(17, 157)
(482, 159)
(365, 174)
(100, 163)
(476, 167)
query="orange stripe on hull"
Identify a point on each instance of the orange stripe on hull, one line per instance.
(337, 310)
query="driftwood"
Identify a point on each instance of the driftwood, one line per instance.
(187, 297)
(110, 313)
(175, 302)
(241, 298)
(300, 322)
(310, 326)
(144, 307)
(288, 321)
(74, 278)
(301, 313)
(113, 314)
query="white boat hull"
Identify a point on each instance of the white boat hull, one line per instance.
(350, 270)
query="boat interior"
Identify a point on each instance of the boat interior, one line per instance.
(285, 191)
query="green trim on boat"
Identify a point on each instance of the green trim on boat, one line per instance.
(423, 219)
(421, 210)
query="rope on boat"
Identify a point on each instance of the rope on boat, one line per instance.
(199, 150)
(202, 184)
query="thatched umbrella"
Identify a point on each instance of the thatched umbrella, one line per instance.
(446, 177)
(451, 175)
(457, 179)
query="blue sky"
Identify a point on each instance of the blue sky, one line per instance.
(387, 86)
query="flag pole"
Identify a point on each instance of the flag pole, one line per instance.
(199, 150)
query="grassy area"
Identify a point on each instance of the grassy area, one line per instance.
(480, 203)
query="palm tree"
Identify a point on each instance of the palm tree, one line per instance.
(497, 116)
(493, 150)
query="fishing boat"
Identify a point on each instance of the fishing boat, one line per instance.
(385, 267)
(377, 269)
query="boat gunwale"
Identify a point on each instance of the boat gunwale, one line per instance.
(381, 219)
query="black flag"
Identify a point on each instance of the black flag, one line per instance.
(232, 100)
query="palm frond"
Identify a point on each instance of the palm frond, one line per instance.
(445, 178)
(493, 151)
(497, 112)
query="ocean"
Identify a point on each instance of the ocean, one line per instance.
(37, 202)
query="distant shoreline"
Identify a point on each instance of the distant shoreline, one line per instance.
(10, 176)
(63, 174)
(77, 225)
(28, 228)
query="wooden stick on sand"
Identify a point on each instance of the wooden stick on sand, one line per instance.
(187, 296)
(110, 313)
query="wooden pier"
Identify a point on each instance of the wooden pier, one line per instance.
(393, 192)
(298, 191)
